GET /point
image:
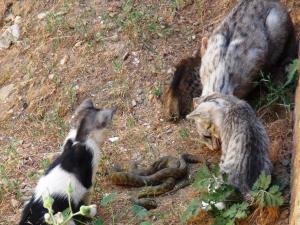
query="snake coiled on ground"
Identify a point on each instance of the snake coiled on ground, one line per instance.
(159, 178)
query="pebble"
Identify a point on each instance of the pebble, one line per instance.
(78, 44)
(6, 91)
(113, 139)
(51, 76)
(42, 15)
(14, 203)
(10, 35)
(170, 71)
(139, 99)
(140, 91)
(64, 60)
(18, 20)
(136, 61)
(133, 103)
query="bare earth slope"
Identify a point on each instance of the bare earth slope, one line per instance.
(120, 53)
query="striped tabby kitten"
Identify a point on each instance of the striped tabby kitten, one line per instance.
(185, 85)
(243, 137)
(251, 38)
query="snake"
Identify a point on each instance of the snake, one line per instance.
(159, 178)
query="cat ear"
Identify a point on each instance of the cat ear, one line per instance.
(104, 117)
(87, 103)
(196, 102)
(204, 43)
(197, 113)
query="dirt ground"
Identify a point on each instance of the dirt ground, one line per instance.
(120, 53)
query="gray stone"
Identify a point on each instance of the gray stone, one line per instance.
(6, 91)
(133, 103)
(42, 15)
(10, 35)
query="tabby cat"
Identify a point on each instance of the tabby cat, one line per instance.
(185, 85)
(251, 38)
(244, 140)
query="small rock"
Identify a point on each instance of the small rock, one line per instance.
(193, 37)
(6, 91)
(170, 71)
(133, 103)
(139, 99)
(64, 60)
(115, 37)
(140, 91)
(136, 61)
(18, 20)
(42, 15)
(169, 131)
(136, 156)
(112, 14)
(14, 203)
(113, 139)
(51, 76)
(26, 145)
(11, 34)
(15, 31)
(78, 44)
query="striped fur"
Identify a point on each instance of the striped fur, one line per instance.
(244, 139)
(185, 85)
(251, 38)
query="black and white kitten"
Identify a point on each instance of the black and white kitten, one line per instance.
(76, 166)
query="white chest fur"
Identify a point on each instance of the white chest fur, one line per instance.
(57, 182)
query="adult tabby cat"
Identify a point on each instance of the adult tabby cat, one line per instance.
(243, 138)
(76, 165)
(251, 38)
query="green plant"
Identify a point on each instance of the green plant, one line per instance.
(279, 93)
(107, 201)
(55, 22)
(157, 92)
(264, 195)
(131, 122)
(9, 184)
(213, 189)
(184, 133)
(117, 65)
(139, 212)
(141, 23)
(56, 122)
(45, 163)
(62, 218)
